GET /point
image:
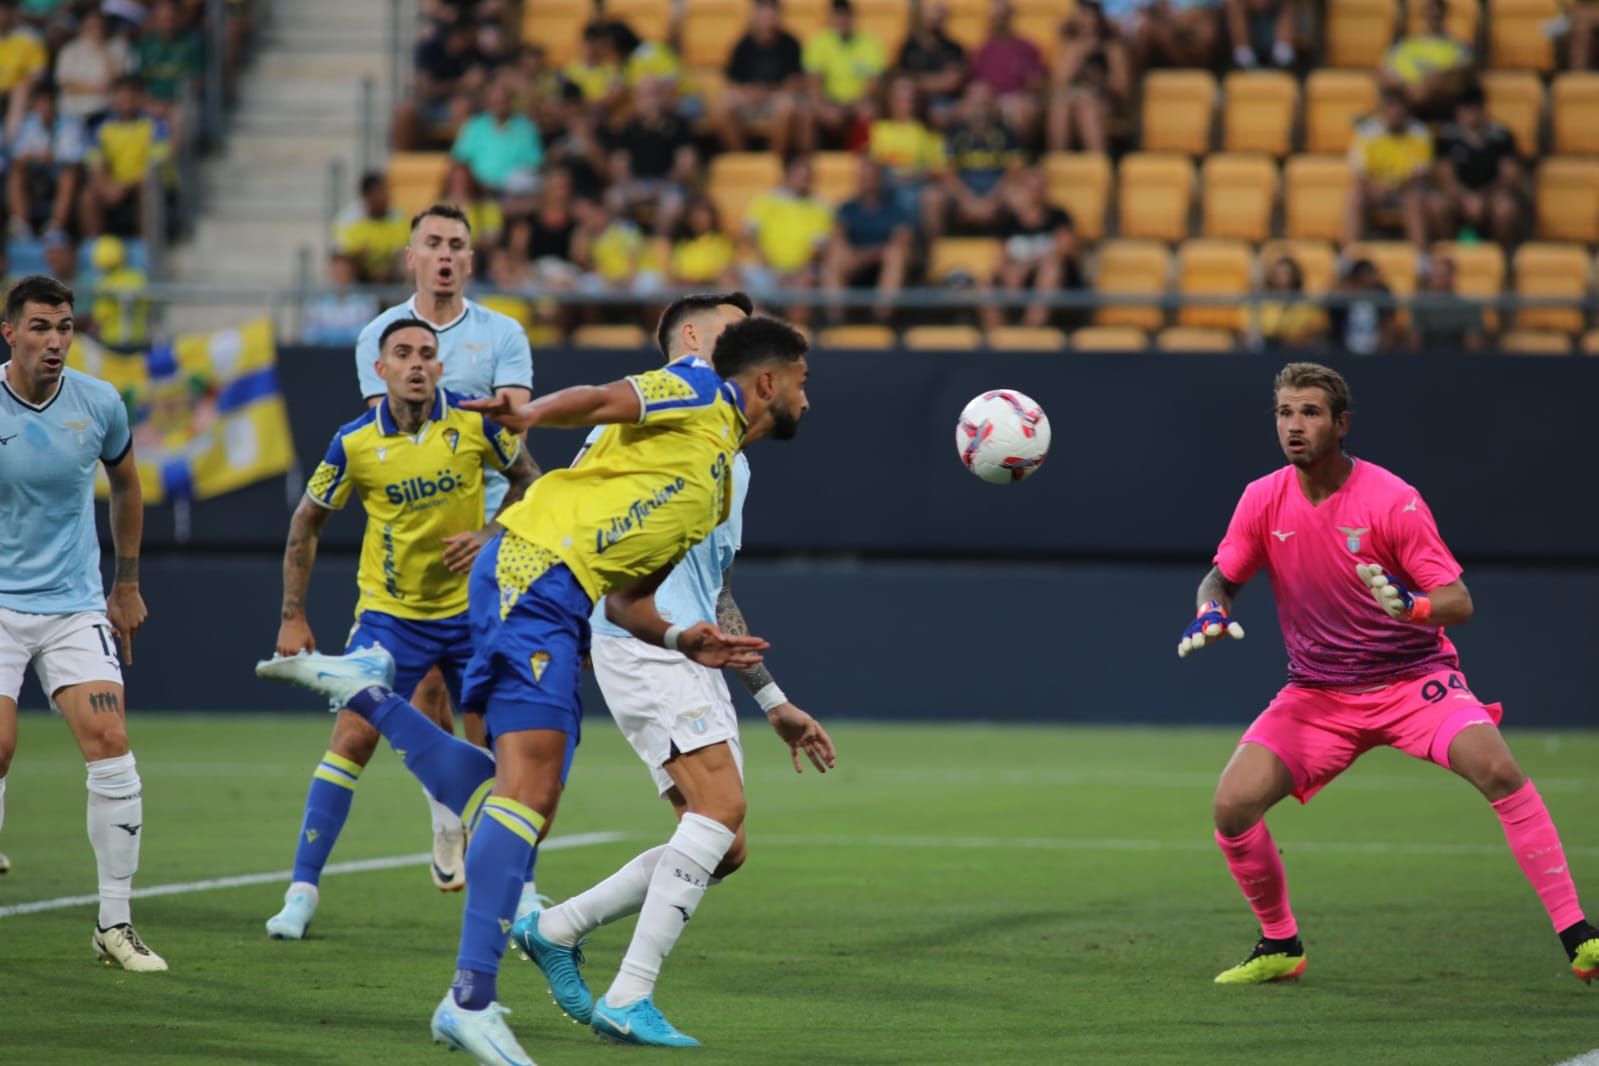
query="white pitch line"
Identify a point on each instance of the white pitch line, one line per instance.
(577, 840)
(1128, 844)
(1587, 1058)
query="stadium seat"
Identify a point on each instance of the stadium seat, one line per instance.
(1359, 32)
(1460, 19)
(1154, 193)
(1396, 263)
(1026, 339)
(1238, 193)
(1516, 37)
(887, 20)
(1479, 271)
(1567, 200)
(1079, 182)
(834, 176)
(1039, 21)
(1132, 267)
(1258, 111)
(1334, 99)
(1574, 113)
(1213, 267)
(943, 338)
(977, 257)
(1195, 339)
(618, 337)
(1590, 342)
(1515, 101)
(736, 178)
(856, 337)
(710, 30)
(968, 22)
(415, 179)
(1315, 188)
(650, 19)
(557, 27)
(1110, 339)
(1534, 342)
(1550, 270)
(1177, 111)
(1317, 262)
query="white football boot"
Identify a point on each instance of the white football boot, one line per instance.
(121, 946)
(482, 1034)
(290, 922)
(338, 677)
(449, 860)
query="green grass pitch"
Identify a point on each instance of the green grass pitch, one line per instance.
(950, 895)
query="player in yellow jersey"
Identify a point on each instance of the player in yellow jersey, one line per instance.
(656, 483)
(419, 464)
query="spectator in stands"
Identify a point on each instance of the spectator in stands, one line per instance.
(982, 153)
(130, 146)
(1363, 326)
(1479, 177)
(120, 308)
(786, 231)
(1391, 154)
(337, 316)
(702, 254)
(495, 143)
(46, 155)
(1430, 68)
(843, 65)
(1177, 33)
(597, 71)
(934, 59)
(621, 258)
(552, 240)
(87, 66)
(61, 262)
(448, 70)
(1260, 29)
(1446, 321)
(537, 91)
(656, 61)
(1040, 248)
(764, 81)
(23, 58)
(1288, 319)
(509, 275)
(170, 62)
(652, 161)
(1090, 79)
(871, 243)
(371, 233)
(483, 213)
(904, 145)
(1012, 68)
(1583, 16)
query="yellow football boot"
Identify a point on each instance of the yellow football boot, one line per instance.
(1272, 960)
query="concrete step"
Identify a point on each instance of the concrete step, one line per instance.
(300, 94)
(313, 38)
(311, 66)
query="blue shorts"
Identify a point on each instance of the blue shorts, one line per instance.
(418, 645)
(530, 636)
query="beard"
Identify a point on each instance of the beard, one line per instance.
(785, 424)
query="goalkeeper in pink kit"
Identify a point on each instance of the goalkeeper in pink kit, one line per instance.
(1364, 587)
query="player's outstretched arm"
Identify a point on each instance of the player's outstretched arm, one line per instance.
(633, 608)
(798, 730)
(124, 607)
(580, 405)
(1213, 621)
(299, 555)
(1447, 605)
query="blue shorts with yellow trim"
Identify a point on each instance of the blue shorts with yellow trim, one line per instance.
(418, 645)
(530, 636)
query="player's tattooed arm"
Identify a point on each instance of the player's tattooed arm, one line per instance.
(299, 555)
(522, 472)
(731, 619)
(1217, 587)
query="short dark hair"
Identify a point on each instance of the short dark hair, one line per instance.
(442, 210)
(1315, 376)
(757, 340)
(679, 309)
(128, 81)
(404, 323)
(35, 289)
(371, 180)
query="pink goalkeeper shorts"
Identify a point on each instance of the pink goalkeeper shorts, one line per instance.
(1318, 733)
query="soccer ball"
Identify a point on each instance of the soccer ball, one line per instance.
(1002, 436)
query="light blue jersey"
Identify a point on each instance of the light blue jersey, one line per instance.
(49, 553)
(482, 350)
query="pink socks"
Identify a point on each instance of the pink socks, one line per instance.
(1252, 857)
(1536, 845)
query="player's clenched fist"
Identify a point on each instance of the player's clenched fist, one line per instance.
(1392, 595)
(1211, 624)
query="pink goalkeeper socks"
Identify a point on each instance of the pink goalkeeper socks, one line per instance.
(1252, 857)
(1536, 845)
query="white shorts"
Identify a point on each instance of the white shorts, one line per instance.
(65, 649)
(664, 703)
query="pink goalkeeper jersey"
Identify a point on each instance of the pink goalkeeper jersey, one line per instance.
(1334, 632)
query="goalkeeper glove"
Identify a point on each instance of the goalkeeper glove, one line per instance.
(1211, 624)
(1392, 595)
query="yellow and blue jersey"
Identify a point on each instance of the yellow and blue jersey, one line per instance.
(417, 489)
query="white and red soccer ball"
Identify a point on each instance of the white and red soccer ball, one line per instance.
(1002, 436)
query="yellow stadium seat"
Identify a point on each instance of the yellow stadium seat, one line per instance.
(1154, 193)
(415, 179)
(1590, 342)
(1567, 200)
(1110, 339)
(1551, 270)
(1516, 38)
(609, 337)
(887, 20)
(1026, 339)
(1079, 182)
(1534, 342)
(1213, 268)
(834, 175)
(857, 337)
(710, 30)
(804, 17)
(1334, 99)
(1132, 267)
(1479, 271)
(968, 24)
(1039, 21)
(1195, 339)
(1359, 32)
(943, 338)
(1177, 111)
(1315, 188)
(1258, 111)
(1237, 195)
(1574, 108)
(978, 257)
(557, 27)
(1317, 262)
(650, 19)
(1395, 262)
(736, 178)
(1460, 18)
(1515, 101)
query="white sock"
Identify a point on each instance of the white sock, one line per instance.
(617, 896)
(676, 888)
(444, 819)
(116, 820)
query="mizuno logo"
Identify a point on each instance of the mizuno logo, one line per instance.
(684, 910)
(131, 830)
(8, 440)
(1282, 534)
(1411, 506)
